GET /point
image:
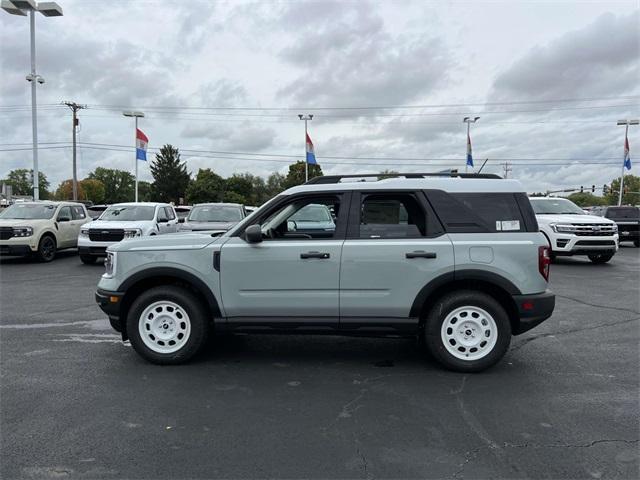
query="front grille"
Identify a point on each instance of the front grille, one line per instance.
(594, 229)
(6, 233)
(594, 243)
(106, 234)
(628, 227)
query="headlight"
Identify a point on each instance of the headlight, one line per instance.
(22, 231)
(132, 233)
(560, 228)
(109, 265)
(84, 232)
(614, 227)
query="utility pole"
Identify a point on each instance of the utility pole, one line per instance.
(306, 118)
(626, 157)
(74, 108)
(506, 168)
(469, 121)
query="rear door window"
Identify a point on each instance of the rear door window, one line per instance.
(392, 215)
(77, 213)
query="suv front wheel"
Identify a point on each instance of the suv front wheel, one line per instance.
(467, 331)
(167, 325)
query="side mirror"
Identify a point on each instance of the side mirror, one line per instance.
(64, 219)
(253, 234)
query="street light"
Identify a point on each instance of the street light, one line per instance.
(48, 9)
(626, 123)
(135, 115)
(469, 121)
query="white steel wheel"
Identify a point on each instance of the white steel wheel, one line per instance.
(469, 333)
(164, 327)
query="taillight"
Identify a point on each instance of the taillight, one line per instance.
(544, 260)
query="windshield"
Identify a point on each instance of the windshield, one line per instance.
(127, 213)
(312, 213)
(29, 211)
(215, 213)
(556, 206)
(624, 212)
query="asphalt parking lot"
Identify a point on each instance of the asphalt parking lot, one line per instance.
(77, 403)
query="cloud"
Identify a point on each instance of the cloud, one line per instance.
(348, 58)
(601, 59)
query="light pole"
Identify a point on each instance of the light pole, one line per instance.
(135, 115)
(306, 118)
(626, 123)
(469, 121)
(48, 9)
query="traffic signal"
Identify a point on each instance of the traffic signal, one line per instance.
(593, 189)
(604, 189)
(581, 189)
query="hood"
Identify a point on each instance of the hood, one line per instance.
(109, 224)
(170, 241)
(207, 225)
(21, 222)
(549, 218)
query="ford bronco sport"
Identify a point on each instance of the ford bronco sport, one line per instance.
(456, 259)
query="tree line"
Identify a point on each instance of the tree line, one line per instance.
(172, 182)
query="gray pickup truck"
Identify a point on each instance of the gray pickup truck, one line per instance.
(456, 259)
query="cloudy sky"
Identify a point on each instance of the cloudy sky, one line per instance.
(388, 83)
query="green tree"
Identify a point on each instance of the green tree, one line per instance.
(275, 185)
(296, 174)
(93, 190)
(118, 184)
(65, 190)
(239, 186)
(145, 191)
(207, 187)
(586, 199)
(631, 187)
(21, 181)
(170, 175)
(233, 197)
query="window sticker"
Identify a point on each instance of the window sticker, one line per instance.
(510, 225)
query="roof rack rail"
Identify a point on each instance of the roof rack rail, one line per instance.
(337, 178)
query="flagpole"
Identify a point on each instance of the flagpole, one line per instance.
(466, 162)
(135, 144)
(306, 161)
(624, 160)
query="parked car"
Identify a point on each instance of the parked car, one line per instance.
(182, 211)
(124, 221)
(628, 220)
(213, 217)
(570, 231)
(458, 261)
(41, 228)
(313, 219)
(96, 210)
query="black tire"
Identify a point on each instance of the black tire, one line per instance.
(553, 258)
(195, 310)
(88, 259)
(601, 257)
(466, 298)
(46, 249)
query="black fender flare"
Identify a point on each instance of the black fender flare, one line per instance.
(187, 277)
(460, 275)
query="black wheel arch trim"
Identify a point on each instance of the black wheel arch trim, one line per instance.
(187, 277)
(458, 275)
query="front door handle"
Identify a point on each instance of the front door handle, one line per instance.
(314, 255)
(420, 254)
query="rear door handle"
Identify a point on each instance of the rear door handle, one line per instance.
(314, 255)
(420, 254)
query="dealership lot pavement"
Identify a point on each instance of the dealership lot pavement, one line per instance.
(77, 403)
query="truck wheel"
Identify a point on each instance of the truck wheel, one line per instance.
(46, 249)
(467, 331)
(88, 259)
(601, 257)
(167, 325)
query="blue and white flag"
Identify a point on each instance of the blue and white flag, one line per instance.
(141, 145)
(469, 154)
(311, 156)
(627, 157)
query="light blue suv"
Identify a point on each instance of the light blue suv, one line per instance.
(458, 260)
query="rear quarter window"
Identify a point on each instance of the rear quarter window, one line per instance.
(479, 212)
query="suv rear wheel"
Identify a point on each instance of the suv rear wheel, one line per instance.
(88, 259)
(167, 325)
(467, 331)
(46, 248)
